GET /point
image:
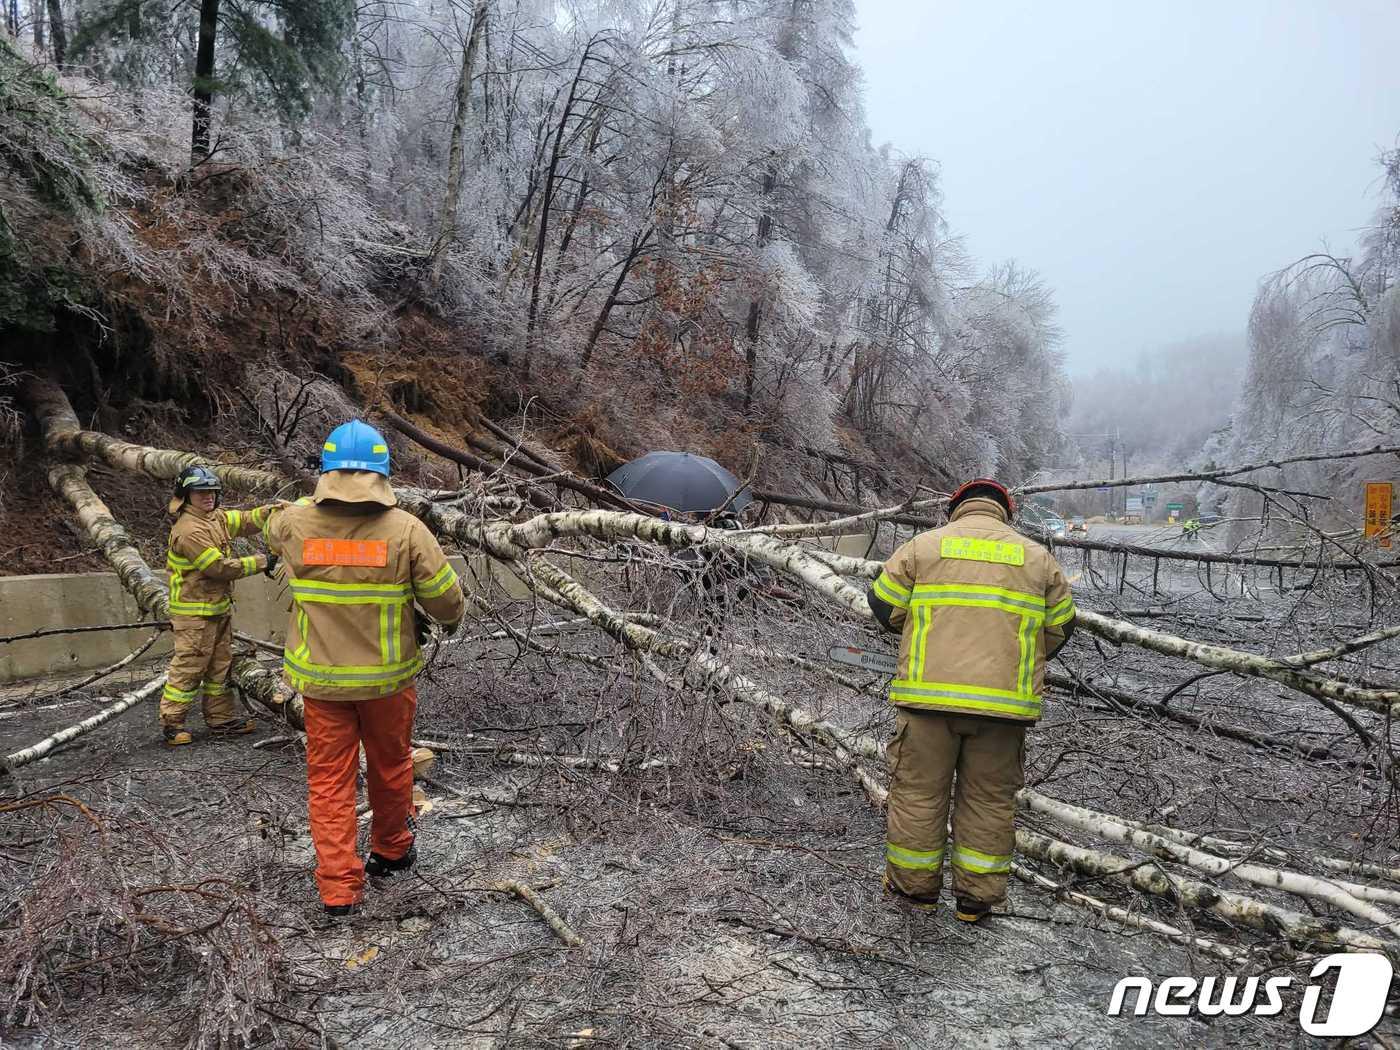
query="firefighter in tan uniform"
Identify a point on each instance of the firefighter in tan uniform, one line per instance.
(979, 609)
(202, 570)
(356, 565)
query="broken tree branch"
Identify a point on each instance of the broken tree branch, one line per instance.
(37, 751)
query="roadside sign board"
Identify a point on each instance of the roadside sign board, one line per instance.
(866, 658)
(1175, 506)
(1380, 496)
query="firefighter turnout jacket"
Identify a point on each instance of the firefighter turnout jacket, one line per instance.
(980, 609)
(356, 564)
(201, 561)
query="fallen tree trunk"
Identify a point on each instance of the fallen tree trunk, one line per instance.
(1211, 557)
(1239, 662)
(463, 458)
(595, 493)
(37, 751)
(1124, 916)
(540, 456)
(787, 499)
(509, 543)
(1212, 475)
(1106, 826)
(1231, 907)
(63, 433)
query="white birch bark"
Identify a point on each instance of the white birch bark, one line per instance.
(1105, 826)
(37, 751)
(1232, 907)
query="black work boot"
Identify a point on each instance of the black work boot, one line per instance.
(923, 902)
(969, 910)
(340, 911)
(381, 867)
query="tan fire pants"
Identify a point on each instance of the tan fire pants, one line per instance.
(199, 666)
(979, 761)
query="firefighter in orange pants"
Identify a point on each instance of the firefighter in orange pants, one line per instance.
(979, 609)
(202, 570)
(356, 566)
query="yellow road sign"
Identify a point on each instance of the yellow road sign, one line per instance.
(1379, 497)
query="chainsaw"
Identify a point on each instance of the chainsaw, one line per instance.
(869, 659)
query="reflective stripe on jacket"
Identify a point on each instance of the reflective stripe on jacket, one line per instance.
(356, 564)
(980, 608)
(201, 563)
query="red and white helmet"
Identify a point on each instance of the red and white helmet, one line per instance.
(983, 487)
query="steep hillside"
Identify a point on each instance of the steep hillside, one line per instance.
(777, 285)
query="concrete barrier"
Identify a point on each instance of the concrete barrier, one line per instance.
(30, 603)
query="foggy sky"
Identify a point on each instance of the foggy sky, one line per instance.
(1152, 161)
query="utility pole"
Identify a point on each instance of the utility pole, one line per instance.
(1112, 463)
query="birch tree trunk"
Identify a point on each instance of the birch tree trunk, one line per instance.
(1105, 826)
(825, 574)
(37, 751)
(1232, 907)
(64, 434)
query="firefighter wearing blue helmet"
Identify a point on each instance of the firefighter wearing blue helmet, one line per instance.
(366, 578)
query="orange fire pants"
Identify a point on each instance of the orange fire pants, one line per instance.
(334, 731)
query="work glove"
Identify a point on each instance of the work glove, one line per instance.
(271, 568)
(422, 630)
(449, 629)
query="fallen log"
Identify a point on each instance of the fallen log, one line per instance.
(1211, 475)
(509, 543)
(1124, 916)
(1231, 907)
(1209, 557)
(541, 457)
(788, 499)
(1386, 701)
(124, 703)
(63, 434)
(1104, 825)
(594, 493)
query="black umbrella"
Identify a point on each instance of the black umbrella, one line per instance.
(680, 482)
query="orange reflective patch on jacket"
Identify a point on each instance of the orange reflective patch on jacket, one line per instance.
(372, 553)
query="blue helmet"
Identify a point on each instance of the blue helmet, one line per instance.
(355, 446)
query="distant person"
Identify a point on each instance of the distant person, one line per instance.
(202, 570)
(356, 565)
(980, 609)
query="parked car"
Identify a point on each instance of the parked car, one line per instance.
(1037, 522)
(1076, 524)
